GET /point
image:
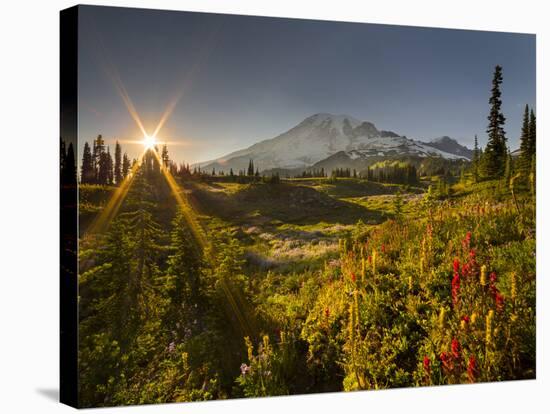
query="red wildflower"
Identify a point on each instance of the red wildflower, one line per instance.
(466, 318)
(465, 269)
(456, 265)
(466, 241)
(327, 312)
(492, 283)
(353, 278)
(455, 288)
(499, 301)
(455, 347)
(472, 254)
(472, 368)
(369, 259)
(383, 248)
(446, 361)
(426, 365)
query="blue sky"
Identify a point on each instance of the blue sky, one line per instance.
(242, 79)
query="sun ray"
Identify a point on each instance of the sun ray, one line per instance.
(109, 212)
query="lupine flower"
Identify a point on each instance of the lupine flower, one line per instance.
(455, 288)
(455, 348)
(472, 368)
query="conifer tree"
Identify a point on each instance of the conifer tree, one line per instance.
(525, 153)
(164, 156)
(87, 174)
(118, 164)
(97, 152)
(125, 166)
(475, 160)
(495, 152)
(532, 135)
(69, 167)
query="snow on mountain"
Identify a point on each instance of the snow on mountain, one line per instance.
(450, 145)
(321, 136)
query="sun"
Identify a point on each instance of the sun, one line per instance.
(149, 141)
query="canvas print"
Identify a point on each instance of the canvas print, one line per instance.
(257, 206)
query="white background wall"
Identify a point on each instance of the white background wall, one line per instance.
(29, 204)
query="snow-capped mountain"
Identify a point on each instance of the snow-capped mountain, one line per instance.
(323, 135)
(449, 145)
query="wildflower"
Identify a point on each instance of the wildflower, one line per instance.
(455, 348)
(483, 275)
(472, 368)
(455, 288)
(446, 361)
(426, 365)
(456, 265)
(466, 241)
(499, 301)
(466, 269)
(327, 313)
(472, 254)
(492, 283)
(245, 369)
(353, 278)
(489, 327)
(465, 318)
(441, 320)
(172, 347)
(374, 261)
(383, 248)
(473, 318)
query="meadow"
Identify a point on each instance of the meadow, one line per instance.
(304, 286)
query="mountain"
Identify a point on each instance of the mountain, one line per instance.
(450, 145)
(323, 136)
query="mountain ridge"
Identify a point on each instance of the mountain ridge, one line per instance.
(320, 136)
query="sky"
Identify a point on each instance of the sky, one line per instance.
(236, 80)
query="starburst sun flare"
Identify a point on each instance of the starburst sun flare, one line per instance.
(149, 141)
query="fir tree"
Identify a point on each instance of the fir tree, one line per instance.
(532, 135)
(525, 153)
(125, 166)
(164, 156)
(118, 164)
(87, 173)
(495, 152)
(475, 160)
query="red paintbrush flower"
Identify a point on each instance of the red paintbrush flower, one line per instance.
(353, 278)
(455, 288)
(426, 365)
(455, 347)
(499, 301)
(466, 318)
(456, 265)
(472, 368)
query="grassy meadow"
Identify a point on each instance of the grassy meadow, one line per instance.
(303, 285)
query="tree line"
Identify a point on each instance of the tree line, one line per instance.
(495, 161)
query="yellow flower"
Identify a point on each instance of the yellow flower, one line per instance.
(483, 276)
(513, 286)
